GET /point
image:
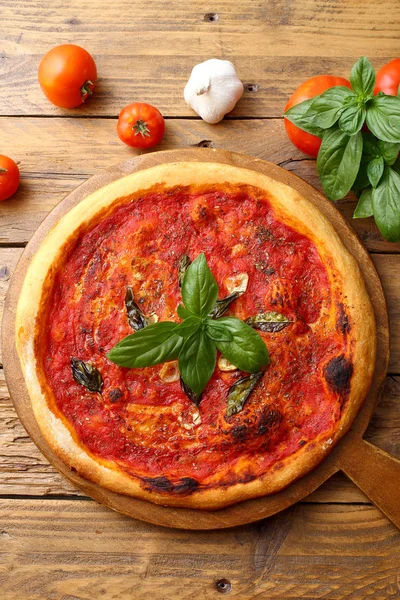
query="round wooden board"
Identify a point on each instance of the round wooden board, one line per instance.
(251, 510)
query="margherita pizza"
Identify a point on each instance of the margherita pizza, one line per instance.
(139, 431)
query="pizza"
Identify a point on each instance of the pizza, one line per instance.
(138, 431)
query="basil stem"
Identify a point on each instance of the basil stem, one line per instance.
(87, 375)
(270, 322)
(240, 391)
(136, 318)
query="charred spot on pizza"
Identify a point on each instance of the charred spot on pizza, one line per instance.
(262, 423)
(114, 395)
(184, 486)
(338, 374)
(343, 324)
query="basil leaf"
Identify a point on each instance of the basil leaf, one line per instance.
(221, 306)
(197, 360)
(364, 206)
(152, 345)
(362, 77)
(239, 392)
(370, 145)
(218, 331)
(386, 205)
(182, 268)
(352, 119)
(190, 393)
(183, 313)
(389, 151)
(199, 288)
(87, 375)
(338, 162)
(136, 318)
(271, 322)
(375, 170)
(362, 180)
(396, 165)
(328, 106)
(299, 117)
(383, 118)
(247, 351)
(188, 327)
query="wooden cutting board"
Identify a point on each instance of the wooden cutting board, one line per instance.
(374, 471)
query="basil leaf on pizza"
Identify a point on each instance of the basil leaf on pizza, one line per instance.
(247, 351)
(152, 345)
(87, 375)
(270, 322)
(218, 331)
(197, 361)
(221, 306)
(239, 392)
(136, 318)
(199, 288)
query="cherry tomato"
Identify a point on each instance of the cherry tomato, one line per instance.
(388, 78)
(9, 177)
(140, 125)
(307, 143)
(67, 75)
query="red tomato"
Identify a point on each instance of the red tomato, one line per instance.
(9, 177)
(388, 78)
(67, 75)
(140, 125)
(307, 143)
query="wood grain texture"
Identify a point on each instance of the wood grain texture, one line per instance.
(71, 150)
(77, 550)
(25, 471)
(275, 44)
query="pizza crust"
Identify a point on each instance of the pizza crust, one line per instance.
(291, 209)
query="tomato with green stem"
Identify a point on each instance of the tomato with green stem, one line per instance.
(140, 125)
(306, 142)
(388, 78)
(9, 177)
(67, 75)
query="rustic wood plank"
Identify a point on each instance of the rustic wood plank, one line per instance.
(75, 549)
(48, 175)
(24, 471)
(149, 57)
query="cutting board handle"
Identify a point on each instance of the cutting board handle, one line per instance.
(377, 474)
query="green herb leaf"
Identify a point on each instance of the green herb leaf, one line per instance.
(188, 327)
(247, 351)
(271, 322)
(190, 393)
(87, 375)
(386, 205)
(362, 78)
(199, 288)
(239, 392)
(352, 119)
(389, 151)
(298, 116)
(338, 162)
(218, 331)
(182, 268)
(136, 318)
(364, 206)
(149, 346)
(197, 360)
(221, 306)
(328, 106)
(375, 170)
(383, 118)
(183, 313)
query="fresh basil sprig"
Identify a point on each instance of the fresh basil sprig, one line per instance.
(194, 341)
(351, 159)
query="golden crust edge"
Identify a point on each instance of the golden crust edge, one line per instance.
(313, 224)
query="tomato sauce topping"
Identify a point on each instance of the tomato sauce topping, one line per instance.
(149, 427)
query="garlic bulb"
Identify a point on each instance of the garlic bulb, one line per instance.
(213, 89)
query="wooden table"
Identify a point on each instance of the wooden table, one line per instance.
(55, 543)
